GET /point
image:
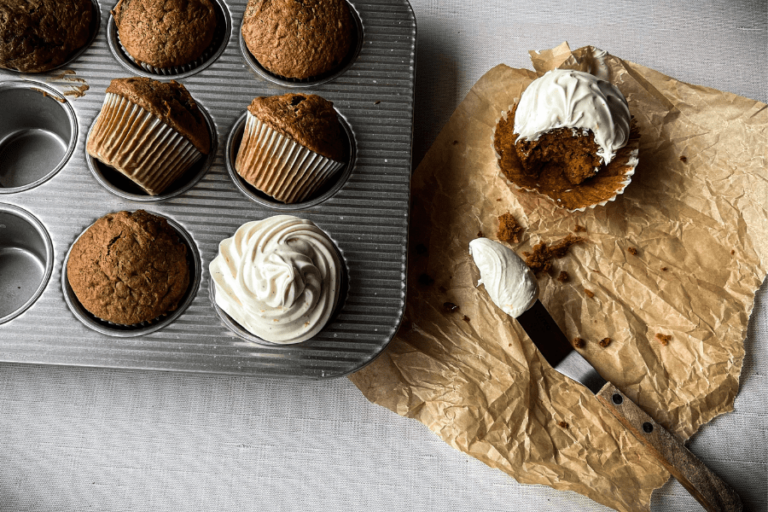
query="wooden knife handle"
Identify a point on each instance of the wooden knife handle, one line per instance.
(708, 489)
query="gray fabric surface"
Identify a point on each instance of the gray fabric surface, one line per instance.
(99, 439)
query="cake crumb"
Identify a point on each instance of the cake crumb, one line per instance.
(480, 234)
(733, 252)
(605, 342)
(563, 424)
(509, 229)
(632, 251)
(563, 277)
(589, 293)
(683, 159)
(579, 229)
(664, 339)
(540, 259)
(664, 269)
(377, 102)
(579, 342)
(426, 280)
(450, 307)
(466, 318)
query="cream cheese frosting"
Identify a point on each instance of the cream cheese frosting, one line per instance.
(566, 98)
(507, 279)
(279, 278)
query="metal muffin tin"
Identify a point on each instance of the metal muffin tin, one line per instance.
(364, 211)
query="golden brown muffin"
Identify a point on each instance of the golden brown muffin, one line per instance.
(129, 268)
(38, 35)
(170, 102)
(129, 139)
(165, 33)
(305, 118)
(298, 38)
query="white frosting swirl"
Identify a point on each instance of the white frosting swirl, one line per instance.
(507, 279)
(279, 278)
(565, 98)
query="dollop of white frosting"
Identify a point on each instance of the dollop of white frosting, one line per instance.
(566, 98)
(507, 279)
(279, 278)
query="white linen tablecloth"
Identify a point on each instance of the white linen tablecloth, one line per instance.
(97, 439)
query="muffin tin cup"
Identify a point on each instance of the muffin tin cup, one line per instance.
(298, 83)
(122, 186)
(26, 260)
(129, 331)
(244, 334)
(209, 56)
(38, 134)
(325, 191)
(93, 31)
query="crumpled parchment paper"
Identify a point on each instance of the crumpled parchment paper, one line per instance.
(696, 211)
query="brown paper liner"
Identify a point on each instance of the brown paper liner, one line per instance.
(605, 186)
(139, 145)
(280, 167)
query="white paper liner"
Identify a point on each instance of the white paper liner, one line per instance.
(632, 162)
(177, 70)
(139, 145)
(280, 167)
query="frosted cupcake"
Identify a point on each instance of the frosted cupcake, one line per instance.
(279, 278)
(291, 146)
(150, 131)
(571, 138)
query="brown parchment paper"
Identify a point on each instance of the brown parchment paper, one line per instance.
(475, 379)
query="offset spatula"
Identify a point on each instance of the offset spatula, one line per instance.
(708, 489)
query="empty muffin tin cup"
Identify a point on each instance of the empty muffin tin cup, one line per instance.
(26, 260)
(209, 56)
(130, 331)
(122, 186)
(244, 334)
(326, 190)
(38, 133)
(354, 50)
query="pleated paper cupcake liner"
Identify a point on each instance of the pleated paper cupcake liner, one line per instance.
(139, 145)
(218, 36)
(620, 171)
(280, 167)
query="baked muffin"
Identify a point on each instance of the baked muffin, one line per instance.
(291, 145)
(164, 34)
(150, 131)
(38, 35)
(298, 38)
(570, 137)
(279, 278)
(129, 268)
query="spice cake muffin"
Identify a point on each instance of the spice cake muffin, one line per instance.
(570, 137)
(150, 131)
(291, 145)
(129, 268)
(38, 35)
(165, 34)
(298, 38)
